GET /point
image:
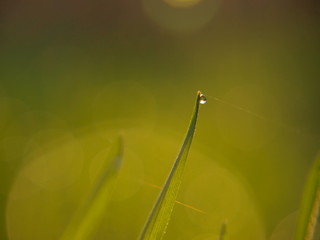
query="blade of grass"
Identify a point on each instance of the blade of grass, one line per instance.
(89, 216)
(181, 203)
(223, 230)
(159, 218)
(308, 227)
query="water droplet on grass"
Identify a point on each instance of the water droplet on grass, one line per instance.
(202, 99)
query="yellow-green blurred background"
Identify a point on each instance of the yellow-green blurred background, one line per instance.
(73, 74)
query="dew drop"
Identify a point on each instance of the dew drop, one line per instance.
(202, 99)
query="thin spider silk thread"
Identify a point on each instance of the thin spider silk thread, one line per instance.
(258, 116)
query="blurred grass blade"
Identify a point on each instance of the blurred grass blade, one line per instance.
(223, 230)
(89, 216)
(308, 227)
(159, 218)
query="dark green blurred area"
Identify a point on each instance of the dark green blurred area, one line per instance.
(73, 74)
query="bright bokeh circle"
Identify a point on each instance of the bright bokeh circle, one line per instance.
(181, 15)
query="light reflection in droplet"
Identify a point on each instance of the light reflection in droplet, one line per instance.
(202, 99)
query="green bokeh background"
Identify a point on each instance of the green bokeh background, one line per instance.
(74, 74)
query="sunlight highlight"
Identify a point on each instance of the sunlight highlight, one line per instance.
(182, 3)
